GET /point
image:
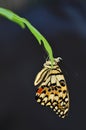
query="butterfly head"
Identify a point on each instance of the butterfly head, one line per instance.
(55, 63)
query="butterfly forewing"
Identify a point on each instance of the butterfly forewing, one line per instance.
(40, 76)
(52, 90)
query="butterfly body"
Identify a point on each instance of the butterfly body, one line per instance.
(52, 90)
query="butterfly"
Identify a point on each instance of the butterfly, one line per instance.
(52, 88)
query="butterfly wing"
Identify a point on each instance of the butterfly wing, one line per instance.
(52, 90)
(40, 76)
(52, 99)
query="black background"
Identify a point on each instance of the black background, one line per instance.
(21, 58)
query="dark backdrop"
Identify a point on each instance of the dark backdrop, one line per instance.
(21, 58)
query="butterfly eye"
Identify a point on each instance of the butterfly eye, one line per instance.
(62, 82)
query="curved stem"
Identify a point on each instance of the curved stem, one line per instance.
(22, 22)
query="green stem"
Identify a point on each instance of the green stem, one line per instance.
(22, 22)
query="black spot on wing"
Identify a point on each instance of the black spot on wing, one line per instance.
(64, 91)
(44, 92)
(59, 91)
(62, 82)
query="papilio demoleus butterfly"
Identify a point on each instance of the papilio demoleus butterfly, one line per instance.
(52, 90)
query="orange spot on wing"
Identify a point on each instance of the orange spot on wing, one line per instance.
(39, 90)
